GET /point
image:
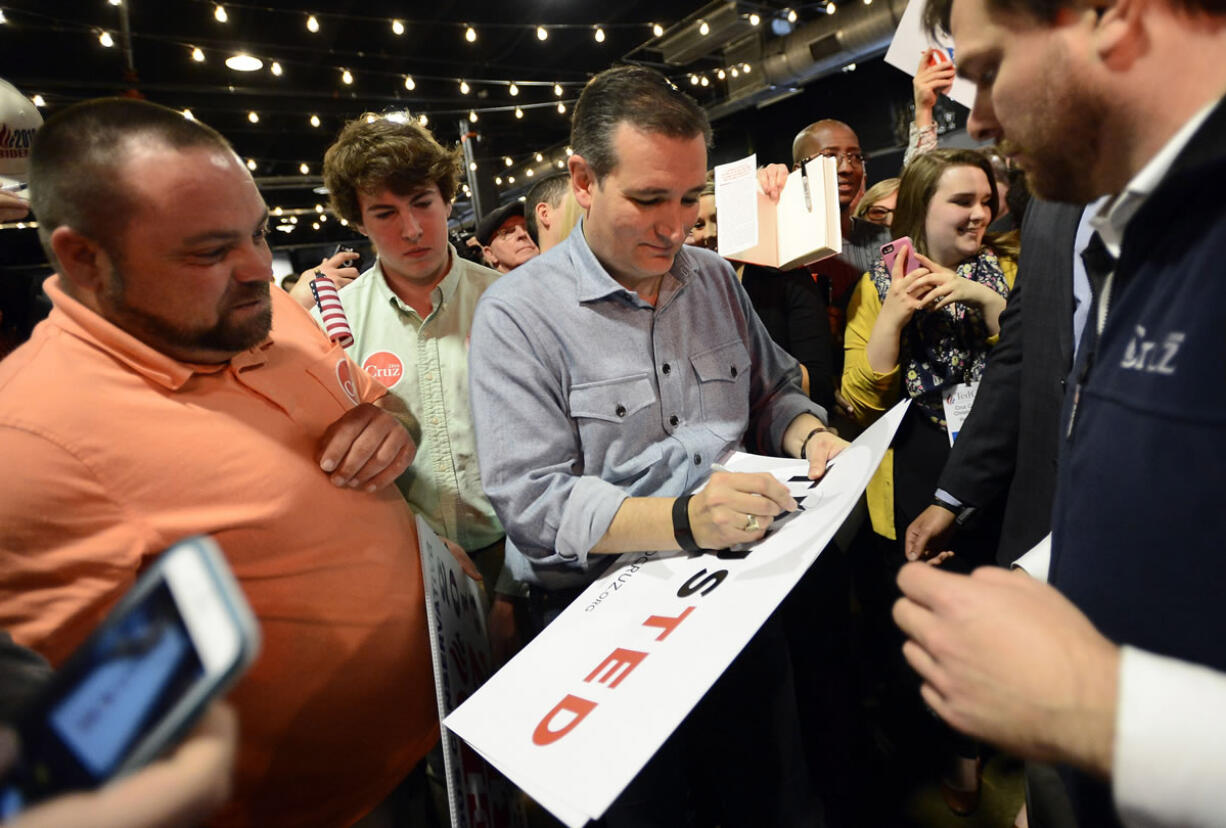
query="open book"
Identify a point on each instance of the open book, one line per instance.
(803, 227)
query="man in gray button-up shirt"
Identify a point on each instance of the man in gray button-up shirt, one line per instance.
(607, 376)
(610, 373)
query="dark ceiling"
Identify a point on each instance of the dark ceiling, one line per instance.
(53, 48)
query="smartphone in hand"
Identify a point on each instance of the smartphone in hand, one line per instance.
(899, 247)
(177, 640)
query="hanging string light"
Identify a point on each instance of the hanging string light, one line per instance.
(514, 90)
(599, 35)
(315, 121)
(253, 117)
(312, 24)
(542, 33)
(754, 19)
(704, 28)
(470, 34)
(347, 77)
(464, 87)
(561, 108)
(198, 54)
(423, 120)
(397, 27)
(409, 83)
(275, 69)
(219, 13)
(472, 116)
(251, 164)
(657, 30)
(519, 113)
(557, 89)
(304, 168)
(104, 37)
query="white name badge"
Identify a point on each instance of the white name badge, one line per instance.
(958, 401)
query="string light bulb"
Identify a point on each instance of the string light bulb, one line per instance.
(719, 73)
(507, 160)
(253, 117)
(470, 34)
(346, 77)
(315, 121)
(472, 165)
(830, 8)
(791, 15)
(305, 169)
(104, 37)
(38, 101)
(519, 113)
(3, 19)
(275, 69)
(472, 116)
(219, 13)
(198, 54)
(703, 28)
(187, 114)
(754, 19)
(657, 30)
(746, 68)
(251, 164)
(409, 83)
(561, 108)
(464, 87)
(498, 180)
(312, 24)
(557, 89)
(510, 179)
(397, 27)
(423, 119)
(514, 90)
(693, 80)
(569, 152)
(529, 172)
(599, 35)
(734, 72)
(703, 81)
(542, 33)
(539, 157)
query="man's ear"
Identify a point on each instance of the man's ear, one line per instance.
(490, 259)
(361, 230)
(82, 261)
(1119, 33)
(544, 215)
(582, 181)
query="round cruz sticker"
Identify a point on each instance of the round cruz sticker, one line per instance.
(384, 366)
(344, 375)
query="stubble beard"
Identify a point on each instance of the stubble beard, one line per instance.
(227, 336)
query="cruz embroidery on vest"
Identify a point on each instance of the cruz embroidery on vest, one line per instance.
(1152, 356)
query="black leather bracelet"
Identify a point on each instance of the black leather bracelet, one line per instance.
(681, 525)
(963, 514)
(809, 437)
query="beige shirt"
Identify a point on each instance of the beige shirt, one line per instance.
(424, 362)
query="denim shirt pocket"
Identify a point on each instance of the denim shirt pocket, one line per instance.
(615, 418)
(723, 388)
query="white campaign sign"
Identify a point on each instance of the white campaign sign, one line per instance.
(575, 716)
(477, 795)
(910, 41)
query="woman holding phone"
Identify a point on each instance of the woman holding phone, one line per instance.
(923, 327)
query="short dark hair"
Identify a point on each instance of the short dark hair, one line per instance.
(936, 12)
(76, 156)
(919, 184)
(548, 190)
(372, 152)
(636, 95)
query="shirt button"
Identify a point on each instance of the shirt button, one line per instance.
(666, 368)
(697, 459)
(620, 411)
(734, 370)
(673, 420)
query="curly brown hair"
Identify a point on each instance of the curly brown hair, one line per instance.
(373, 152)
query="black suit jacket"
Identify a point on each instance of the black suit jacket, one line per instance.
(1010, 442)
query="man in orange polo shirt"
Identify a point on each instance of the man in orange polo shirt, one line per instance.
(172, 393)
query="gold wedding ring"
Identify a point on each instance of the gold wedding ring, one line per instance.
(751, 524)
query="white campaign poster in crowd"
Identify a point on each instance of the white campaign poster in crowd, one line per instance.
(477, 795)
(910, 41)
(576, 715)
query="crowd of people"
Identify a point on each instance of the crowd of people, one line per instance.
(565, 402)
